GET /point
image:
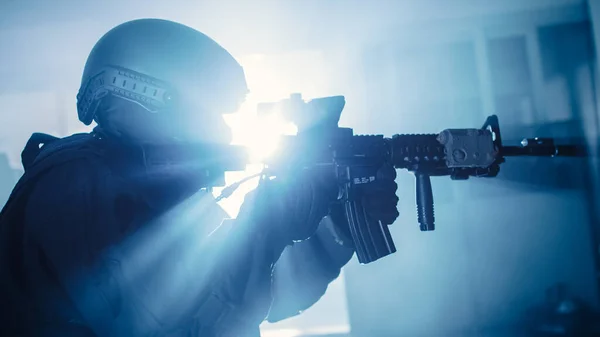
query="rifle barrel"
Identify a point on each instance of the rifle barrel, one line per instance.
(543, 147)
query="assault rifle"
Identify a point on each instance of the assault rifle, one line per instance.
(457, 153)
(356, 159)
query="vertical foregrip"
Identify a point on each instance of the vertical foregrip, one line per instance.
(425, 212)
(372, 239)
(424, 155)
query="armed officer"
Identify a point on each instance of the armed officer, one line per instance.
(111, 234)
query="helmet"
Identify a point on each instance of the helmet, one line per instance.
(156, 74)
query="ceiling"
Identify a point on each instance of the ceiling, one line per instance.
(47, 41)
(256, 25)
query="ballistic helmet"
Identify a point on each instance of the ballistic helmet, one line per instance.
(153, 73)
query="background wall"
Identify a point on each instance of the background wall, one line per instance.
(499, 244)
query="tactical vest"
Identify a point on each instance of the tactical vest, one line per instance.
(41, 153)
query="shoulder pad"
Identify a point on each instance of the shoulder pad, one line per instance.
(42, 147)
(44, 152)
(33, 147)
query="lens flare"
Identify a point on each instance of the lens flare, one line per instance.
(260, 134)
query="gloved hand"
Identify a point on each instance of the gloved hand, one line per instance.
(379, 197)
(293, 204)
(379, 200)
(306, 199)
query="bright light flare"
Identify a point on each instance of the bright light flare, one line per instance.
(270, 78)
(260, 135)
